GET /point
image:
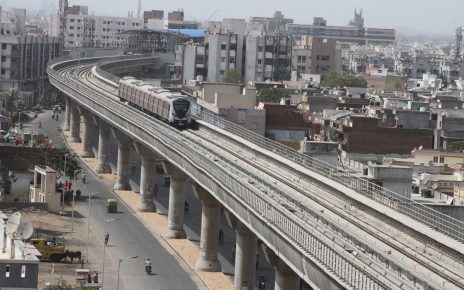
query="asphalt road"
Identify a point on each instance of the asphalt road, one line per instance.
(128, 236)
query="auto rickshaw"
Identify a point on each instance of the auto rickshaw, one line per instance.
(112, 205)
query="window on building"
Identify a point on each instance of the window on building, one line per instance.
(23, 271)
(435, 159)
(71, 42)
(3, 45)
(3, 58)
(442, 159)
(123, 23)
(223, 46)
(71, 35)
(260, 61)
(260, 48)
(232, 60)
(325, 57)
(71, 27)
(71, 20)
(3, 71)
(78, 21)
(7, 271)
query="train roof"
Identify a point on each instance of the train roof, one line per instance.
(146, 86)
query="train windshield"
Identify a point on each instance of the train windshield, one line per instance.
(181, 107)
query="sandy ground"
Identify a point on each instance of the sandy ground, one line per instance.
(59, 226)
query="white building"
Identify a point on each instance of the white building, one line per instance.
(95, 31)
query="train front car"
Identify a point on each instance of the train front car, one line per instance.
(180, 114)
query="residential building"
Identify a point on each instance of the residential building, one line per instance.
(285, 124)
(316, 55)
(267, 57)
(18, 262)
(190, 62)
(233, 102)
(364, 136)
(223, 55)
(44, 188)
(24, 57)
(271, 25)
(94, 31)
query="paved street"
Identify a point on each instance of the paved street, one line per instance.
(167, 271)
(128, 237)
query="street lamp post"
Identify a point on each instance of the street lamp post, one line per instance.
(65, 179)
(119, 267)
(88, 225)
(104, 248)
(72, 212)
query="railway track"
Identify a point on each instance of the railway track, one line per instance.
(444, 267)
(83, 75)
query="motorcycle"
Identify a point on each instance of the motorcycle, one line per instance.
(148, 269)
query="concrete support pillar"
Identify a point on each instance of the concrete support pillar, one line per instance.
(103, 140)
(87, 133)
(285, 277)
(176, 202)
(75, 124)
(67, 114)
(209, 240)
(245, 254)
(123, 169)
(147, 178)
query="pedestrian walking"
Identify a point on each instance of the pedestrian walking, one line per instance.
(89, 278)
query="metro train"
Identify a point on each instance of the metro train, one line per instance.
(156, 101)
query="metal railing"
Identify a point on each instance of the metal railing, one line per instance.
(145, 130)
(436, 220)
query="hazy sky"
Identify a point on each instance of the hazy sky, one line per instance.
(437, 17)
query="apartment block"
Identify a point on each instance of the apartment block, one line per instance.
(267, 57)
(222, 55)
(93, 31)
(316, 55)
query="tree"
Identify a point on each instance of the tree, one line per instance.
(334, 80)
(6, 179)
(231, 76)
(458, 146)
(271, 95)
(56, 158)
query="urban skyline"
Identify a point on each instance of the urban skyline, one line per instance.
(404, 16)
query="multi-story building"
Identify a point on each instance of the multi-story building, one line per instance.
(271, 25)
(355, 32)
(190, 62)
(97, 31)
(24, 57)
(223, 54)
(316, 55)
(267, 57)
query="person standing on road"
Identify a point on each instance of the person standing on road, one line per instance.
(107, 237)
